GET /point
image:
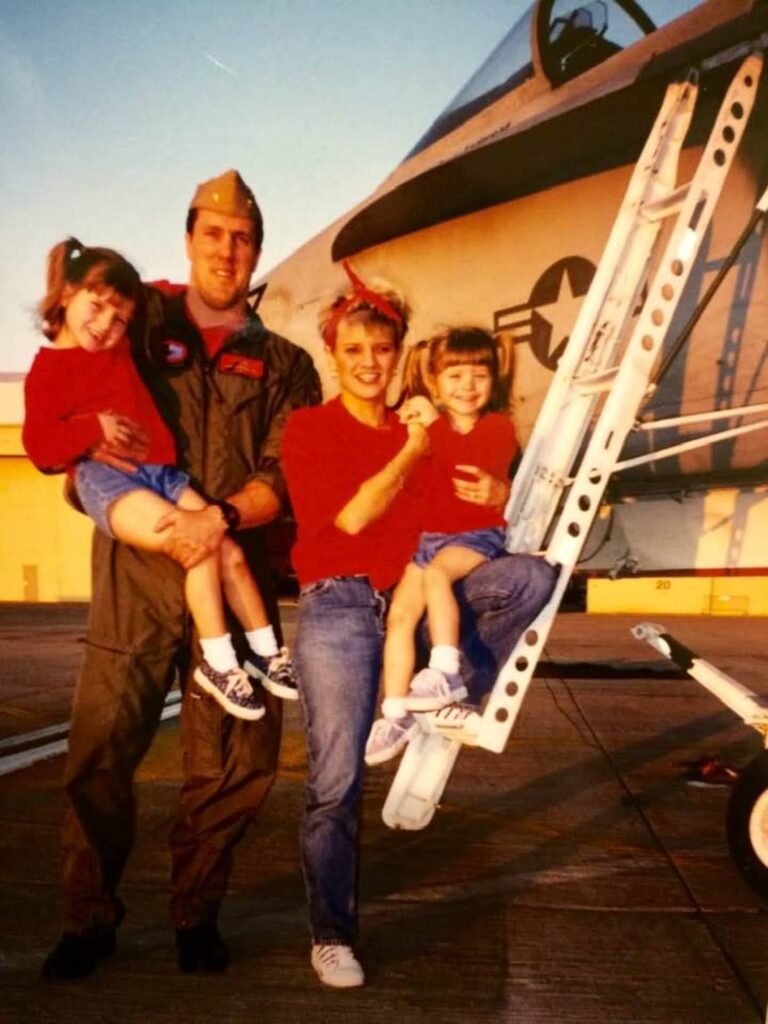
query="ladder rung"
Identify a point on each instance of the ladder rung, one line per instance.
(666, 206)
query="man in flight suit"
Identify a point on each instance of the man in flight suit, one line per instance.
(225, 385)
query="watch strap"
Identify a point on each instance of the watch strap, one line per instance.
(231, 514)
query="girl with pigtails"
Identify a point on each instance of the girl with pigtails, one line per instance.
(451, 385)
(88, 412)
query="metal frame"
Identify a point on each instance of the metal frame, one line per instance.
(601, 382)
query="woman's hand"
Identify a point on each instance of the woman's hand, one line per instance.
(484, 489)
(418, 438)
(417, 410)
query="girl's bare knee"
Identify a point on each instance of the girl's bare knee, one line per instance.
(231, 557)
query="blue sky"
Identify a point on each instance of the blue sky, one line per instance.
(111, 111)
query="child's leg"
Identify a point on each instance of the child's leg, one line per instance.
(408, 604)
(450, 564)
(132, 519)
(391, 733)
(240, 588)
(203, 591)
(270, 664)
(440, 683)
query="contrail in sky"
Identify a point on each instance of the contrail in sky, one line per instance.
(218, 64)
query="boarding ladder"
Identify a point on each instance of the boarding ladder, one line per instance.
(602, 380)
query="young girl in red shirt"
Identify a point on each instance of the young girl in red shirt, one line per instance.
(84, 397)
(451, 381)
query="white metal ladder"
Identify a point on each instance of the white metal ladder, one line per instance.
(605, 372)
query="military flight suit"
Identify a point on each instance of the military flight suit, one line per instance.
(227, 415)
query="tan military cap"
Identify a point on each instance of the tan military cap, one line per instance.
(227, 194)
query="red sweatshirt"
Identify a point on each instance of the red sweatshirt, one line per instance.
(490, 445)
(64, 391)
(327, 454)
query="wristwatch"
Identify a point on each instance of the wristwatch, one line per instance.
(231, 514)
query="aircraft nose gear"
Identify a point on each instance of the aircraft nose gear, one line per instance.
(747, 817)
(747, 824)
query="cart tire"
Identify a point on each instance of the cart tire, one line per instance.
(747, 823)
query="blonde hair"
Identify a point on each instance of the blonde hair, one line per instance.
(377, 302)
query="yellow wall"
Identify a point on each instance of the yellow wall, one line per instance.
(680, 595)
(45, 555)
(44, 544)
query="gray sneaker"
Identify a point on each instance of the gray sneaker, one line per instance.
(231, 689)
(431, 690)
(388, 737)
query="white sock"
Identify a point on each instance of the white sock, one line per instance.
(262, 641)
(393, 708)
(219, 652)
(445, 658)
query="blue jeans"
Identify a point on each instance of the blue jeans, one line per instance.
(338, 657)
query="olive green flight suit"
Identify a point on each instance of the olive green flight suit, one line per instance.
(227, 415)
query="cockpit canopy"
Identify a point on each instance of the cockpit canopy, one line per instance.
(560, 39)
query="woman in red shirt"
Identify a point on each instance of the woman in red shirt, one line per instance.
(352, 471)
(347, 464)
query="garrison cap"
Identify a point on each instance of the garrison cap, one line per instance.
(227, 194)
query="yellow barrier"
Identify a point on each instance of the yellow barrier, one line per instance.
(680, 595)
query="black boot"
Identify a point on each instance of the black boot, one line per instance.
(77, 954)
(201, 949)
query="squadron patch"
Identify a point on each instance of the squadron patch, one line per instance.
(174, 351)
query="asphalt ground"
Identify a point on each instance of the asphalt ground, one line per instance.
(577, 877)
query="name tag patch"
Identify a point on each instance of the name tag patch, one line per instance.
(244, 366)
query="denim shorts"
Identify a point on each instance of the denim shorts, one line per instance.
(488, 541)
(99, 486)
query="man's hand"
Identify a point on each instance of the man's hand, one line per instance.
(484, 489)
(191, 536)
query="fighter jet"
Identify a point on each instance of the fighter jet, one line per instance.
(499, 216)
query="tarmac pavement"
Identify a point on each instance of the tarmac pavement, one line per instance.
(575, 878)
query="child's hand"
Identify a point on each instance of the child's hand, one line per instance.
(417, 410)
(122, 431)
(124, 444)
(482, 488)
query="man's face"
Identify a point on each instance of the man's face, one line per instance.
(222, 253)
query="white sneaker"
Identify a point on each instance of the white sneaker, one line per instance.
(337, 966)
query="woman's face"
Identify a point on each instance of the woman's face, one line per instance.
(364, 357)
